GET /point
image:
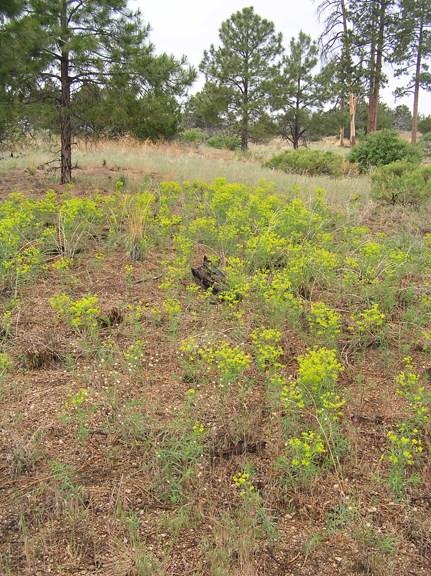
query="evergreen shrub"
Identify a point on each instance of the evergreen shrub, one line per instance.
(308, 163)
(221, 142)
(426, 144)
(382, 148)
(193, 136)
(401, 183)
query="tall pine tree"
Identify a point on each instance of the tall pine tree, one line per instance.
(413, 51)
(66, 44)
(299, 91)
(338, 51)
(246, 64)
(373, 42)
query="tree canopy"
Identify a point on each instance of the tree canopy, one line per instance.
(89, 68)
(299, 91)
(245, 64)
(64, 47)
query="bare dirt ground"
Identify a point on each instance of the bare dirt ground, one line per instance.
(81, 492)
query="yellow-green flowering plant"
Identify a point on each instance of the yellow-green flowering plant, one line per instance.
(404, 448)
(172, 308)
(242, 482)
(5, 364)
(294, 399)
(134, 355)
(368, 325)
(314, 394)
(266, 343)
(413, 390)
(305, 455)
(318, 368)
(275, 293)
(314, 387)
(82, 315)
(22, 267)
(237, 281)
(253, 503)
(5, 325)
(324, 322)
(191, 360)
(229, 361)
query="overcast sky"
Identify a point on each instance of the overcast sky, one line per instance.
(188, 27)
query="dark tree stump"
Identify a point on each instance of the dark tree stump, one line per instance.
(209, 276)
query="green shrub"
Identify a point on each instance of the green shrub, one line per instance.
(382, 148)
(424, 124)
(308, 162)
(224, 142)
(401, 182)
(193, 136)
(426, 144)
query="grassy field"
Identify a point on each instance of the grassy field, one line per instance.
(210, 368)
(145, 165)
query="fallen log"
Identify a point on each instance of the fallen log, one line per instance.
(210, 277)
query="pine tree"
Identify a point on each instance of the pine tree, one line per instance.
(413, 49)
(246, 64)
(373, 42)
(338, 50)
(299, 91)
(10, 9)
(66, 44)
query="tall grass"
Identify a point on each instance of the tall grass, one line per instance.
(146, 164)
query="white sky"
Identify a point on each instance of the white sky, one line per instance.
(188, 27)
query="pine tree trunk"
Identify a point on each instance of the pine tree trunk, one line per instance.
(245, 119)
(417, 85)
(65, 123)
(296, 123)
(371, 90)
(65, 120)
(244, 139)
(341, 131)
(353, 101)
(415, 112)
(377, 72)
(373, 73)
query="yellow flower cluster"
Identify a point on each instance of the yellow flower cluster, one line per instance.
(403, 448)
(318, 366)
(242, 482)
(81, 314)
(369, 320)
(306, 450)
(324, 322)
(266, 344)
(75, 400)
(411, 388)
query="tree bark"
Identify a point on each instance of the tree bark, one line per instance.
(371, 89)
(417, 83)
(244, 139)
(65, 123)
(341, 130)
(245, 121)
(376, 71)
(353, 101)
(346, 51)
(65, 116)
